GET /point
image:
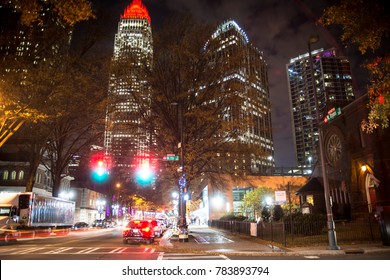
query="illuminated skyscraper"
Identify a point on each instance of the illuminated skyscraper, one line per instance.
(332, 76)
(126, 138)
(251, 79)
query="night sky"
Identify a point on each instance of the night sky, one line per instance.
(278, 28)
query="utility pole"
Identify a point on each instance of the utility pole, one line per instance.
(330, 222)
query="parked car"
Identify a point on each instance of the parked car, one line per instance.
(80, 226)
(98, 223)
(108, 223)
(158, 229)
(138, 231)
(163, 223)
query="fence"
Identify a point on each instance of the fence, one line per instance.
(304, 233)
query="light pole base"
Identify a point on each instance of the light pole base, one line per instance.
(332, 240)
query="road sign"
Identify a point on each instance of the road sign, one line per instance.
(171, 157)
(280, 197)
(332, 113)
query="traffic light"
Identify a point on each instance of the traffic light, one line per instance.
(99, 168)
(144, 174)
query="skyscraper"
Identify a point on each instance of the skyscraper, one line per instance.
(126, 139)
(332, 77)
(251, 79)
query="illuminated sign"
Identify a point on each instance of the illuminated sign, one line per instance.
(332, 113)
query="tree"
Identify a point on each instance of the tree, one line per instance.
(72, 95)
(69, 12)
(255, 201)
(365, 23)
(12, 117)
(26, 17)
(61, 93)
(81, 124)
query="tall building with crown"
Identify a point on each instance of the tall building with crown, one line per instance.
(333, 80)
(126, 139)
(251, 77)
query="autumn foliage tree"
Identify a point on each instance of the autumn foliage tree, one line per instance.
(57, 95)
(366, 24)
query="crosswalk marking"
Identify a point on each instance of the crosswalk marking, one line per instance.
(88, 250)
(26, 251)
(75, 250)
(181, 256)
(108, 250)
(118, 250)
(59, 250)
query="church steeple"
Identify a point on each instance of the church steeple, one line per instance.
(137, 10)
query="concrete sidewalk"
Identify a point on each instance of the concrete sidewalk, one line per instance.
(203, 239)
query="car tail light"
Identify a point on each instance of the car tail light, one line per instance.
(146, 229)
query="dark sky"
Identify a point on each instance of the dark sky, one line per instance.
(278, 28)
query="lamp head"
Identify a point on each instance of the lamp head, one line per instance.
(313, 39)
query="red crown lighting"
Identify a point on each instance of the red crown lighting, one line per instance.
(136, 10)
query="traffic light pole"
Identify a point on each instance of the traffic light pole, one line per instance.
(183, 227)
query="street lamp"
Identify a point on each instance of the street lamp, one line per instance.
(183, 227)
(330, 222)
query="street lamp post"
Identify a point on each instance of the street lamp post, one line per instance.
(330, 222)
(183, 227)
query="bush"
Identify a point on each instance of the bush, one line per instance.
(305, 224)
(232, 217)
(278, 213)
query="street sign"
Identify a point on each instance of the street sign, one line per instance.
(280, 197)
(332, 113)
(171, 158)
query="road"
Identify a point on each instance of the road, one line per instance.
(103, 244)
(106, 244)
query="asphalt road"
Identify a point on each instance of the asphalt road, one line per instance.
(106, 244)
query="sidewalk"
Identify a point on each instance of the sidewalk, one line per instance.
(203, 239)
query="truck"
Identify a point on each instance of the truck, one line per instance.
(35, 212)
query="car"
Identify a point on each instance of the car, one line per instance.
(80, 226)
(158, 230)
(108, 223)
(98, 223)
(163, 223)
(138, 231)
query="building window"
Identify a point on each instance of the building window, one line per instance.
(310, 199)
(21, 175)
(13, 175)
(5, 175)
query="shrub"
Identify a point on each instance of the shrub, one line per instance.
(232, 217)
(305, 224)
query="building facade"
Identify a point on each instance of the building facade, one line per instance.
(333, 82)
(126, 137)
(248, 79)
